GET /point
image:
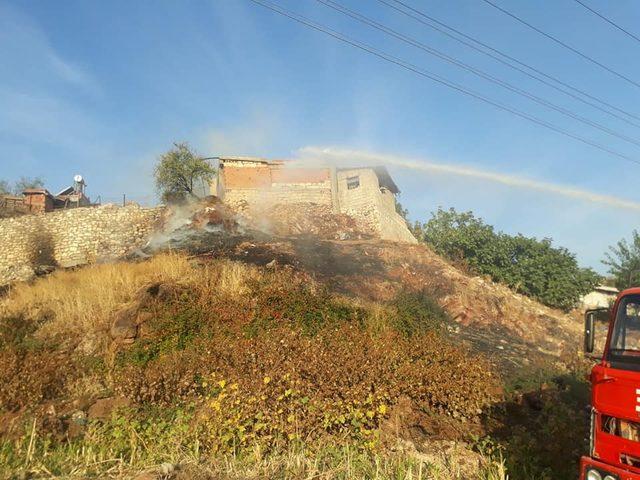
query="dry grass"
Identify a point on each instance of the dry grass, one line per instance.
(24, 459)
(79, 304)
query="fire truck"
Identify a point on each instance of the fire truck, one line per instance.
(614, 438)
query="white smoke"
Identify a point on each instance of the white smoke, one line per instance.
(335, 155)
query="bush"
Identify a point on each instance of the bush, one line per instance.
(546, 430)
(31, 377)
(29, 372)
(285, 299)
(532, 267)
(417, 313)
(270, 362)
(290, 361)
(285, 385)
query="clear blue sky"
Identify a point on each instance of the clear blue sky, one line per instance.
(102, 88)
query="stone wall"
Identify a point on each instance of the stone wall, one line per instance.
(280, 194)
(72, 237)
(372, 205)
(264, 185)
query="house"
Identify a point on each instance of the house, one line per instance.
(40, 200)
(602, 296)
(365, 193)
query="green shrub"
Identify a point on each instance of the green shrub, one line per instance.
(529, 266)
(284, 300)
(417, 313)
(545, 430)
(179, 324)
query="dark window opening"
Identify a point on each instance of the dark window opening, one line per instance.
(353, 182)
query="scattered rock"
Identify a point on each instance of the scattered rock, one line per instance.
(104, 407)
(125, 324)
(166, 469)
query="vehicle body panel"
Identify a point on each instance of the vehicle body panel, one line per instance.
(615, 392)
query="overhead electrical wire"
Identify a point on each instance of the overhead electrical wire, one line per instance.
(435, 77)
(563, 44)
(610, 22)
(432, 51)
(420, 17)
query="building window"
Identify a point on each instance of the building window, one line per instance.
(353, 182)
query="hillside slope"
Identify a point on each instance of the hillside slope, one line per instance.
(224, 350)
(516, 330)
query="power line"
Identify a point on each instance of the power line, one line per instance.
(611, 22)
(511, 59)
(561, 43)
(432, 51)
(435, 77)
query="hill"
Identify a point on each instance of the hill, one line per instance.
(234, 349)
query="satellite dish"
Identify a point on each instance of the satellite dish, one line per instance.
(78, 179)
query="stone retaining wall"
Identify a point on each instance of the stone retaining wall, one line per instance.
(73, 237)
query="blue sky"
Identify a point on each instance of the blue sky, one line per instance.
(102, 88)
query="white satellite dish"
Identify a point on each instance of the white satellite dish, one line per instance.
(77, 179)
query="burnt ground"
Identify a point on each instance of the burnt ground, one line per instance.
(513, 331)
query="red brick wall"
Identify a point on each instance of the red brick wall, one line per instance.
(299, 175)
(38, 203)
(246, 177)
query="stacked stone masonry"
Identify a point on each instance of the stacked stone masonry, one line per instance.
(67, 238)
(371, 204)
(255, 184)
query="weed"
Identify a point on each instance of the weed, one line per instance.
(417, 312)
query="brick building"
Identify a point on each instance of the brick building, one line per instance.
(366, 193)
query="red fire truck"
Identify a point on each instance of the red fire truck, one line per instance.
(614, 440)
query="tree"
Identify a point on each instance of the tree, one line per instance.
(20, 185)
(27, 182)
(623, 261)
(177, 172)
(403, 212)
(529, 266)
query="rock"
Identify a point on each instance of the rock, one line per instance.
(104, 407)
(166, 469)
(125, 325)
(76, 424)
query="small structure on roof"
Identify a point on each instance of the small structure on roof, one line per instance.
(366, 193)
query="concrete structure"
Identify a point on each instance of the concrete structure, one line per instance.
(601, 297)
(366, 193)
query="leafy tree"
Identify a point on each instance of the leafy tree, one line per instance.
(178, 170)
(404, 213)
(400, 210)
(623, 261)
(532, 267)
(5, 188)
